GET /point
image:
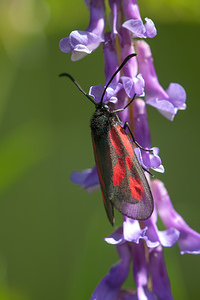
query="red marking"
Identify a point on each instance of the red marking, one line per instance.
(136, 188)
(125, 140)
(104, 200)
(100, 177)
(119, 172)
(119, 139)
(115, 141)
(129, 162)
(119, 169)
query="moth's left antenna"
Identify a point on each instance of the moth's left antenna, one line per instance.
(78, 86)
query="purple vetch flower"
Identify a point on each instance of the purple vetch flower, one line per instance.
(133, 233)
(160, 280)
(189, 240)
(126, 43)
(139, 243)
(122, 101)
(116, 16)
(81, 43)
(87, 179)
(133, 86)
(166, 238)
(109, 287)
(141, 272)
(136, 237)
(167, 102)
(133, 82)
(134, 22)
(143, 137)
(111, 65)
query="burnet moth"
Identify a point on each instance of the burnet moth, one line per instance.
(122, 179)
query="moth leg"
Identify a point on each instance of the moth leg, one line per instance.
(118, 119)
(126, 125)
(121, 109)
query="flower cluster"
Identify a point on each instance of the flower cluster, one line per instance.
(138, 242)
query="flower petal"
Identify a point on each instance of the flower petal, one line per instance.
(177, 95)
(189, 240)
(132, 231)
(87, 179)
(136, 27)
(81, 43)
(109, 287)
(115, 237)
(133, 86)
(143, 137)
(141, 272)
(167, 102)
(97, 91)
(134, 22)
(168, 237)
(160, 280)
(150, 28)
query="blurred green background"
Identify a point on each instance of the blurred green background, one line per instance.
(51, 231)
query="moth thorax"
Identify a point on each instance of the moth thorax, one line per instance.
(99, 124)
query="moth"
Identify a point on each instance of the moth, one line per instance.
(122, 179)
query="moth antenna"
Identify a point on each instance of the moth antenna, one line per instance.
(120, 67)
(78, 86)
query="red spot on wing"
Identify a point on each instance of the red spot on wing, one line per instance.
(119, 139)
(104, 200)
(136, 188)
(114, 138)
(125, 140)
(100, 177)
(129, 162)
(119, 172)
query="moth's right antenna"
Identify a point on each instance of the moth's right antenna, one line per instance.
(120, 67)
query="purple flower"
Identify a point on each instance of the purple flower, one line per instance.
(81, 43)
(133, 233)
(87, 179)
(189, 240)
(109, 287)
(134, 22)
(133, 86)
(111, 65)
(139, 243)
(116, 16)
(167, 102)
(141, 272)
(160, 279)
(143, 137)
(133, 82)
(126, 43)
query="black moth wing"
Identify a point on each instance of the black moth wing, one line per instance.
(132, 196)
(122, 179)
(104, 168)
